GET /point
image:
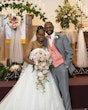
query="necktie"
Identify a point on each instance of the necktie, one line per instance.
(48, 37)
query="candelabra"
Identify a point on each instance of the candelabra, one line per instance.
(82, 8)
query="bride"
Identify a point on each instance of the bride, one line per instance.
(30, 92)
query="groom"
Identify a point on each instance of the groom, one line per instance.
(61, 53)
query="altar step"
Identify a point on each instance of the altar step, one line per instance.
(81, 109)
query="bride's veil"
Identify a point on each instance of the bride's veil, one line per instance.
(34, 37)
(25, 63)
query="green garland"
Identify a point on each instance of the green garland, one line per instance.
(21, 8)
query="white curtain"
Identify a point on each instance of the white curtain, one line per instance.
(16, 54)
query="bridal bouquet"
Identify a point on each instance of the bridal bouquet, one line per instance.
(42, 62)
(14, 21)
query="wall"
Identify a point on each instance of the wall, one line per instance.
(50, 7)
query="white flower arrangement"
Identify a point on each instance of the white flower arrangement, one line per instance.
(42, 62)
(85, 29)
(15, 68)
(12, 72)
(67, 14)
(14, 21)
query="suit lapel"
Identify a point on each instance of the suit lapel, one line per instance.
(45, 43)
(57, 43)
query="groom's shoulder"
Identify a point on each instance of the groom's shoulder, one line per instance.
(60, 34)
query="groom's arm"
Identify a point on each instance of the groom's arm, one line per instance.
(68, 50)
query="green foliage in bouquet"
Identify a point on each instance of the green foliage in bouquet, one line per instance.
(3, 71)
(67, 14)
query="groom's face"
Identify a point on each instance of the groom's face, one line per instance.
(49, 28)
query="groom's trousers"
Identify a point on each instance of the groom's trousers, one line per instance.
(60, 75)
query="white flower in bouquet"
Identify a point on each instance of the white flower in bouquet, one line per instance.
(42, 60)
(44, 72)
(40, 75)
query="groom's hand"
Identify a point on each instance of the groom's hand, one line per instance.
(51, 67)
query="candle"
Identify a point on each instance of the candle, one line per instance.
(84, 9)
(40, 2)
(43, 7)
(76, 1)
(79, 4)
(86, 13)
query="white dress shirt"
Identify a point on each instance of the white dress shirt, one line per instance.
(52, 38)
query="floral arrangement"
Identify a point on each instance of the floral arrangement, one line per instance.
(11, 72)
(67, 14)
(21, 8)
(15, 68)
(42, 62)
(13, 21)
(3, 71)
(84, 27)
(14, 72)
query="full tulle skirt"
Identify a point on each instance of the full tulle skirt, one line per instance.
(25, 96)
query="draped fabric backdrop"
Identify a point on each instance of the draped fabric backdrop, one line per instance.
(16, 38)
(22, 28)
(16, 54)
(2, 38)
(82, 57)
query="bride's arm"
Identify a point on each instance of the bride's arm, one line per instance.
(27, 54)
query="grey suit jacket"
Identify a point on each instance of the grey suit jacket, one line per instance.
(63, 46)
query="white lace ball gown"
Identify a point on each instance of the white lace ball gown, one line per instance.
(25, 96)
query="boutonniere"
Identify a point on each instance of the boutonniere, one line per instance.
(56, 36)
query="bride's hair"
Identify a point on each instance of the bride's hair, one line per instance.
(38, 28)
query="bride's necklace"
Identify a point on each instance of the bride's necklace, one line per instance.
(39, 44)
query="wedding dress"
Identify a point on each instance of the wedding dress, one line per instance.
(25, 96)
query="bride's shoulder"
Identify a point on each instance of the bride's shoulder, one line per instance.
(33, 42)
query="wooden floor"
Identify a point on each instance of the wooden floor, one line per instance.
(79, 92)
